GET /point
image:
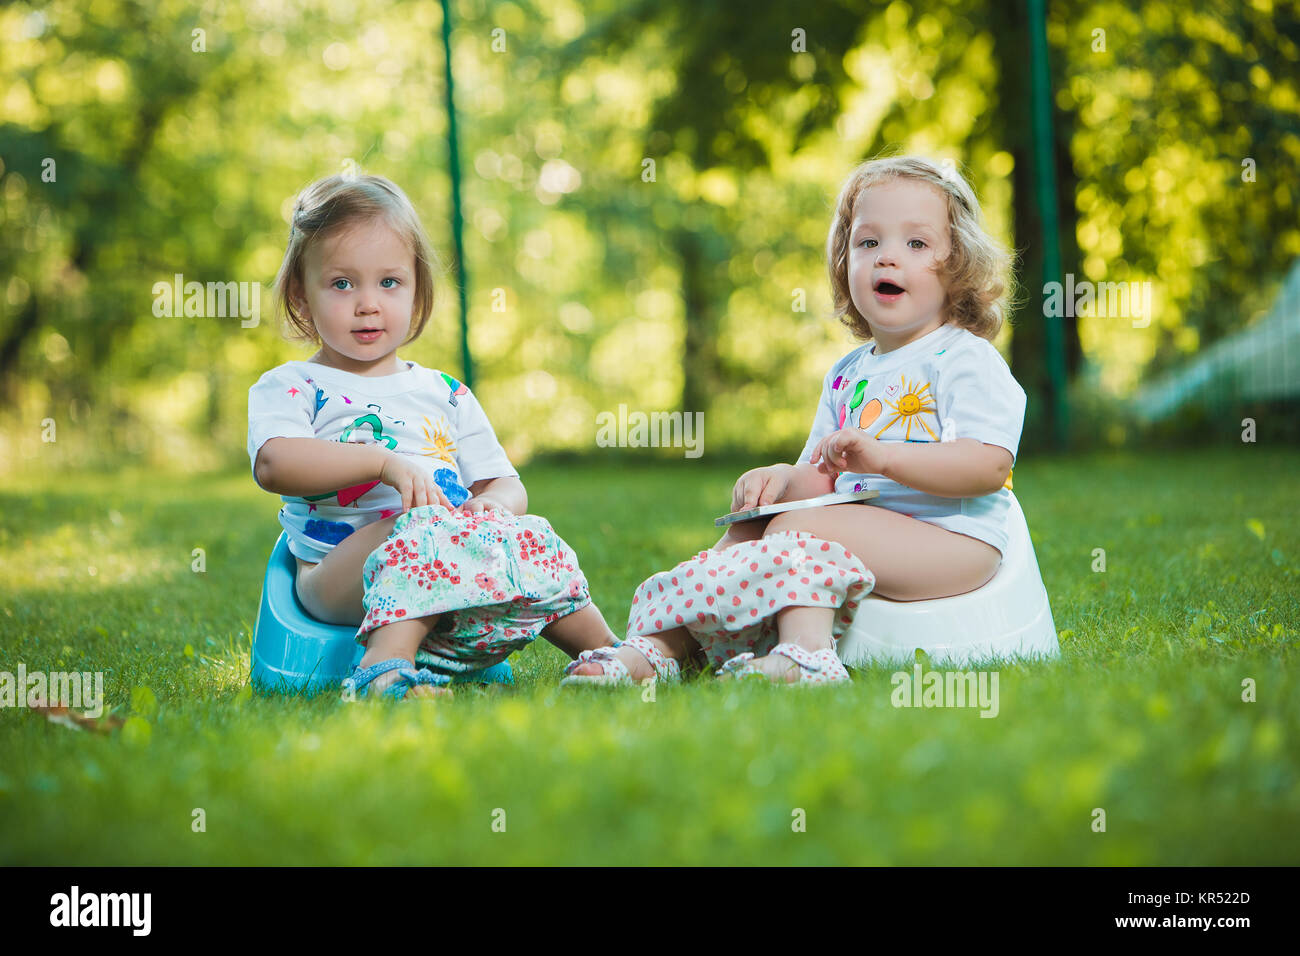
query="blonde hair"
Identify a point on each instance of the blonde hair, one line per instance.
(977, 274)
(335, 202)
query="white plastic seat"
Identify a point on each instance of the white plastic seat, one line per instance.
(1008, 618)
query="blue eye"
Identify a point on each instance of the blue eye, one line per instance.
(389, 279)
(864, 242)
(335, 284)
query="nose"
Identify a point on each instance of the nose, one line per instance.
(884, 257)
(367, 302)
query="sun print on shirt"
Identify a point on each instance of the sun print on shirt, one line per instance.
(910, 402)
(441, 444)
(908, 405)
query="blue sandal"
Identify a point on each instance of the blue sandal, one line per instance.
(408, 676)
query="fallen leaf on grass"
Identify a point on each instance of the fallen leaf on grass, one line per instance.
(67, 717)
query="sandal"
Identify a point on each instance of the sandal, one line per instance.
(815, 667)
(408, 676)
(614, 671)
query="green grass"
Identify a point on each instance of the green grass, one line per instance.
(1142, 716)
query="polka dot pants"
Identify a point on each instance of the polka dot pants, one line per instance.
(728, 600)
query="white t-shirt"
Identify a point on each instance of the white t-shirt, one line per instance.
(421, 413)
(948, 384)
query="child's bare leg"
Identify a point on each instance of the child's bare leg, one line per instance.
(582, 630)
(676, 644)
(332, 590)
(399, 639)
(911, 559)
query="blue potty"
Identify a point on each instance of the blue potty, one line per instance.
(295, 653)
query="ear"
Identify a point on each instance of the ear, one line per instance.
(299, 299)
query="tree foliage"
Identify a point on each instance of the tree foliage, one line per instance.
(134, 148)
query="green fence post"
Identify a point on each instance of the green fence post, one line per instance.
(1044, 175)
(457, 220)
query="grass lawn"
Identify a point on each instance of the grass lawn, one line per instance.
(1142, 716)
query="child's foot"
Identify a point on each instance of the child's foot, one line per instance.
(637, 664)
(789, 663)
(380, 683)
(776, 668)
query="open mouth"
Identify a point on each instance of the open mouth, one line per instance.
(889, 288)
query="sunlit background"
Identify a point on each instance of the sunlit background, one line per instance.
(143, 140)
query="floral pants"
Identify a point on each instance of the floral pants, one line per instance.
(495, 581)
(728, 600)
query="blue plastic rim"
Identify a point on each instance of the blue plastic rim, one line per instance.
(295, 653)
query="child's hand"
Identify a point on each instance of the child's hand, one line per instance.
(414, 483)
(760, 486)
(851, 450)
(484, 503)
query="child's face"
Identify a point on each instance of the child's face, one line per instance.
(360, 277)
(899, 234)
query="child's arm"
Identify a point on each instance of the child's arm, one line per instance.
(506, 491)
(299, 467)
(965, 468)
(807, 482)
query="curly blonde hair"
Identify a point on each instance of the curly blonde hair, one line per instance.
(333, 203)
(978, 271)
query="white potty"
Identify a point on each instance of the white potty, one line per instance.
(1007, 618)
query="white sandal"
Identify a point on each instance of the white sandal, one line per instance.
(614, 671)
(815, 667)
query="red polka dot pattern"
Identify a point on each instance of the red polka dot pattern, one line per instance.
(744, 618)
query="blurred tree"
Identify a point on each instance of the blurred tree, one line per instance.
(729, 67)
(725, 67)
(593, 284)
(142, 141)
(1011, 128)
(1199, 105)
(1186, 146)
(80, 163)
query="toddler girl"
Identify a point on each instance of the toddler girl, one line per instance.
(928, 415)
(402, 510)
